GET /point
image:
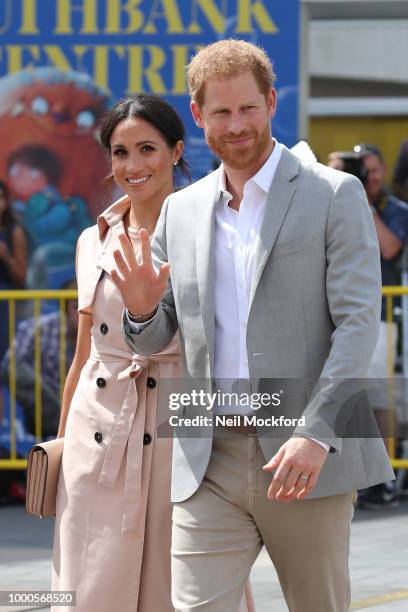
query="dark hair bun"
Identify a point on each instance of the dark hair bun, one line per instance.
(153, 109)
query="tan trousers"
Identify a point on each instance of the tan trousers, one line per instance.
(219, 532)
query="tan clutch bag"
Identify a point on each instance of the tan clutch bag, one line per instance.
(44, 461)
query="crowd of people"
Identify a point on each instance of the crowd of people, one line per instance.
(239, 276)
(13, 260)
(390, 216)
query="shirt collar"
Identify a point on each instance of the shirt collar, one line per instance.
(263, 178)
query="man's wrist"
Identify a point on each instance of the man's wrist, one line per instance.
(142, 318)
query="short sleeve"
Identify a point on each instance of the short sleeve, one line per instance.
(397, 222)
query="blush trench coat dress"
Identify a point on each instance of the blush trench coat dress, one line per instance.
(113, 520)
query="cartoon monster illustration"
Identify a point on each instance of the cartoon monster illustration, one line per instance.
(50, 157)
(46, 216)
(59, 111)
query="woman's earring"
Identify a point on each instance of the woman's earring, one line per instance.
(176, 161)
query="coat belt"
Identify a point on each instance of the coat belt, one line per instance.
(126, 436)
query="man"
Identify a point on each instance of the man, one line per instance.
(267, 281)
(390, 217)
(390, 214)
(26, 374)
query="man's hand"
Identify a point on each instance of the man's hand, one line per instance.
(141, 287)
(296, 459)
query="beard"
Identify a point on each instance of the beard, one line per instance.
(241, 157)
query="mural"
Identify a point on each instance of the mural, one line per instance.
(52, 163)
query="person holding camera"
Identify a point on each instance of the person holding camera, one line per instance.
(390, 217)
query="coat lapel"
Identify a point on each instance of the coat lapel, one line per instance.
(110, 225)
(110, 243)
(205, 236)
(104, 259)
(277, 204)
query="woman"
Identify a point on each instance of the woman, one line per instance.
(113, 524)
(13, 269)
(13, 260)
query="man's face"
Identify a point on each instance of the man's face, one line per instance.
(236, 117)
(376, 176)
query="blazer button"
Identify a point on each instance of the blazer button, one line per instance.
(151, 382)
(98, 436)
(101, 383)
(103, 329)
(147, 438)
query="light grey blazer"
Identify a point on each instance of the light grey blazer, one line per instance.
(314, 308)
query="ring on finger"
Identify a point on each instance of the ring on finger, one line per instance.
(304, 476)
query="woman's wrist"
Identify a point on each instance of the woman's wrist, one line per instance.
(142, 318)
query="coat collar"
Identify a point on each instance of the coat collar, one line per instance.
(110, 225)
(112, 215)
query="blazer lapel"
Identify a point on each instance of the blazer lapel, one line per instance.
(205, 264)
(277, 204)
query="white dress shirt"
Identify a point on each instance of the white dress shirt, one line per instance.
(236, 236)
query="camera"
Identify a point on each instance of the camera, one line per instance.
(352, 162)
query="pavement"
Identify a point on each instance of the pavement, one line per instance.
(378, 560)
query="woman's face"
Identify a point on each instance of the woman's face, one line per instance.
(142, 162)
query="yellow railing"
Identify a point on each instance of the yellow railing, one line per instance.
(37, 296)
(389, 292)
